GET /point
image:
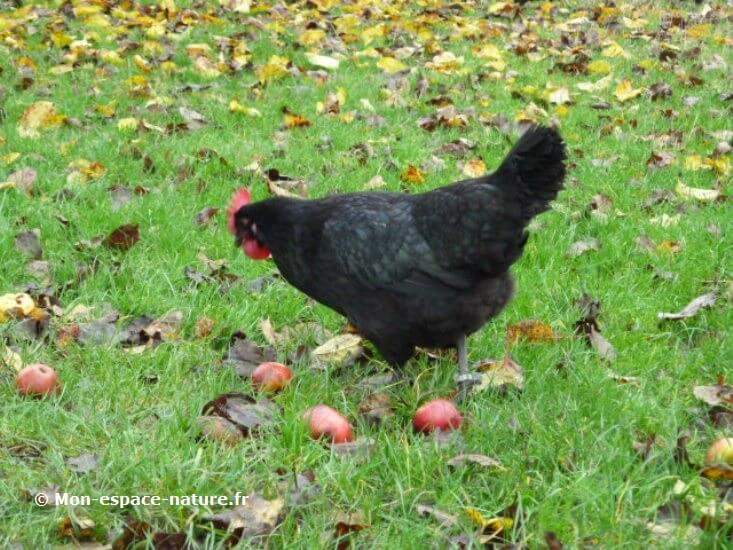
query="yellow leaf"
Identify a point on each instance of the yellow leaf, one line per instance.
(237, 6)
(8, 357)
(205, 67)
(614, 50)
(107, 110)
(275, 68)
(699, 31)
(413, 175)
(10, 158)
(720, 165)
(111, 57)
(198, 50)
(474, 168)
(15, 305)
(323, 61)
(373, 33)
(600, 66)
(694, 163)
(142, 63)
(697, 193)
(83, 171)
(293, 120)
(625, 91)
(500, 374)
(488, 51)
(58, 70)
(40, 115)
(445, 62)
(391, 65)
(127, 124)
(236, 107)
(311, 37)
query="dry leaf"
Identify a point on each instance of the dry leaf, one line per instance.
(474, 168)
(124, 237)
(477, 459)
(722, 394)
(39, 116)
(625, 91)
(341, 350)
(693, 308)
(581, 247)
(705, 195)
(413, 175)
(532, 330)
(500, 374)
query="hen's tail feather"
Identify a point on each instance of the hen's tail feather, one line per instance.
(537, 161)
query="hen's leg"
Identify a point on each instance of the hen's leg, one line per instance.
(466, 380)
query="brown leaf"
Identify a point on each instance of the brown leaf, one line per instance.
(204, 217)
(285, 186)
(659, 160)
(532, 331)
(477, 459)
(245, 355)
(24, 179)
(660, 90)
(204, 327)
(553, 541)
(29, 243)
(715, 395)
(376, 407)
(77, 527)
(256, 518)
(693, 308)
(718, 472)
(601, 345)
(294, 120)
(247, 414)
(347, 523)
(217, 428)
(413, 175)
(124, 237)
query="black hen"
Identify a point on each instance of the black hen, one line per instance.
(412, 270)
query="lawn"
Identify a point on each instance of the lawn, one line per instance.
(142, 115)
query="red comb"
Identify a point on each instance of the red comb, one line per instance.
(241, 198)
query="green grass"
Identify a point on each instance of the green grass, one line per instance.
(566, 441)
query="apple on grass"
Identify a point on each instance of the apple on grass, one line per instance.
(38, 379)
(439, 414)
(271, 376)
(328, 422)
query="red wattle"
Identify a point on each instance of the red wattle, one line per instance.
(255, 250)
(241, 198)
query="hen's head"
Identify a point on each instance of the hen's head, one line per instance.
(244, 228)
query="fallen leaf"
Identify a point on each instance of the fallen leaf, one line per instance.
(693, 308)
(474, 168)
(579, 248)
(722, 394)
(375, 408)
(477, 459)
(39, 116)
(246, 355)
(347, 523)
(23, 179)
(445, 519)
(660, 90)
(294, 120)
(363, 448)
(83, 464)
(217, 428)
(660, 160)
(705, 195)
(532, 330)
(16, 306)
(256, 518)
(29, 243)
(193, 120)
(124, 237)
(502, 374)
(323, 61)
(204, 217)
(625, 91)
(341, 350)
(204, 327)
(413, 175)
(250, 416)
(390, 65)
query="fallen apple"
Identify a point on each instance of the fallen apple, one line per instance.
(720, 452)
(271, 376)
(38, 379)
(438, 414)
(325, 421)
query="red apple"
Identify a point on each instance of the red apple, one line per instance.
(271, 376)
(38, 379)
(325, 421)
(438, 414)
(720, 452)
